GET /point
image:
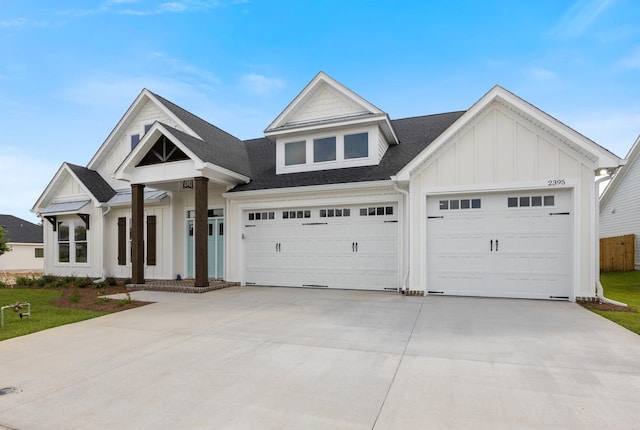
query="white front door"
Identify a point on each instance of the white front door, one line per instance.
(349, 246)
(500, 245)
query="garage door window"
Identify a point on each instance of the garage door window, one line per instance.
(455, 204)
(261, 216)
(296, 214)
(376, 211)
(530, 201)
(330, 213)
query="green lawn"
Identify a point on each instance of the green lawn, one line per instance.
(623, 287)
(43, 314)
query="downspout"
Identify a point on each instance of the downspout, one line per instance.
(102, 258)
(407, 205)
(599, 289)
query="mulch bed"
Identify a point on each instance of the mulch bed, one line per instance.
(606, 307)
(92, 298)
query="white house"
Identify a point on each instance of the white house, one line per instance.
(498, 200)
(620, 202)
(25, 241)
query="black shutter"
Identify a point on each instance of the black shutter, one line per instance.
(122, 241)
(151, 240)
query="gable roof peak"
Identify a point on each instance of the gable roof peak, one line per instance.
(325, 102)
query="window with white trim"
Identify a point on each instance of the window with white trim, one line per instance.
(328, 150)
(73, 243)
(295, 153)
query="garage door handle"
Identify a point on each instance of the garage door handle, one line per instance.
(496, 245)
(491, 246)
(356, 246)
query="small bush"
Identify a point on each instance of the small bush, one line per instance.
(111, 281)
(75, 297)
(24, 281)
(2, 284)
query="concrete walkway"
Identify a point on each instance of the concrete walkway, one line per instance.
(280, 358)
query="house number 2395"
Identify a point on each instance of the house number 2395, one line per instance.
(556, 182)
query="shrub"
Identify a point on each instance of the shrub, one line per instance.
(75, 297)
(24, 281)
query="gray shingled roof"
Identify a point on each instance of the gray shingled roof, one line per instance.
(230, 155)
(18, 230)
(414, 134)
(226, 148)
(96, 185)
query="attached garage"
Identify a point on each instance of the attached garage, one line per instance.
(516, 244)
(333, 246)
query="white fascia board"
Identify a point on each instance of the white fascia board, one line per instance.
(319, 78)
(127, 117)
(49, 189)
(213, 171)
(604, 157)
(308, 189)
(600, 156)
(632, 157)
(340, 123)
(54, 183)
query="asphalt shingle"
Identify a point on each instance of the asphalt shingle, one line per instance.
(18, 230)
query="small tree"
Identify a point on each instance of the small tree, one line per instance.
(3, 242)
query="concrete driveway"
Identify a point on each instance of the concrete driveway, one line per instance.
(280, 358)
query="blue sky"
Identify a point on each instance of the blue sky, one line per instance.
(70, 69)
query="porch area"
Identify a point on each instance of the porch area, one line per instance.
(182, 286)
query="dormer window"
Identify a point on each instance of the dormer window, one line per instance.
(324, 149)
(336, 149)
(295, 153)
(356, 145)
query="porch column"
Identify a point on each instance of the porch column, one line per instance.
(137, 233)
(201, 232)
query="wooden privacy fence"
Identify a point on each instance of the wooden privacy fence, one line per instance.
(617, 253)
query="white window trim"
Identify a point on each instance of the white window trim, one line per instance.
(72, 246)
(339, 162)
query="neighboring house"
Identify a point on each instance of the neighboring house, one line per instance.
(25, 241)
(498, 200)
(620, 202)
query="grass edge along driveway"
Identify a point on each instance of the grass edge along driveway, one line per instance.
(623, 287)
(44, 314)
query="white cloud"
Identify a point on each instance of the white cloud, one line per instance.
(259, 85)
(579, 17)
(183, 69)
(541, 74)
(14, 22)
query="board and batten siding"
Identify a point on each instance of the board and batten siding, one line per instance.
(499, 151)
(620, 215)
(147, 115)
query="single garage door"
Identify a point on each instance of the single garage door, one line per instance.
(349, 246)
(501, 245)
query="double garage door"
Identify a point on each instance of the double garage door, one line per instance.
(346, 246)
(515, 244)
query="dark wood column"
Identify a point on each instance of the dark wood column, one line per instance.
(137, 233)
(201, 232)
